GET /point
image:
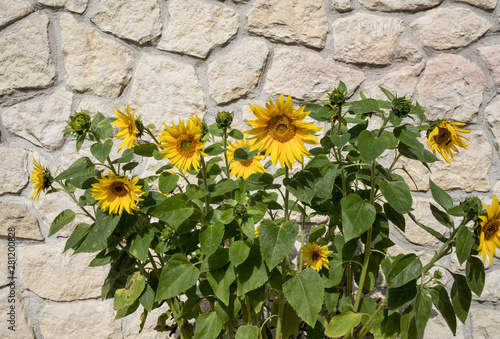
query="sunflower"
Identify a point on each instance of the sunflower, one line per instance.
(315, 256)
(257, 231)
(243, 168)
(116, 193)
(41, 178)
(444, 137)
(130, 127)
(489, 237)
(182, 144)
(280, 131)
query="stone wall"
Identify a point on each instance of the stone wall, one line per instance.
(172, 58)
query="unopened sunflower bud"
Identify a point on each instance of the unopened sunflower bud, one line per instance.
(78, 123)
(336, 97)
(401, 107)
(224, 119)
(471, 205)
(239, 210)
(438, 274)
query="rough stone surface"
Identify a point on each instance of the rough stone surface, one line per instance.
(94, 105)
(366, 38)
(401, 82)
(398, 5)
(437, 327)
(77, 6)
(93, 63)
(13, 169)
(493, 116)
(445, 28)
(43, 268)
(41, 121)
(25, 59)
(4, 271)
(290, 21)
(491, 290)
(11, 11)
(484, 4)
(19, 217)
(342, 5)
(485, 323)
(458, 174)
(307, 75)
(137, 20)
(451, 88)
(491, 55)
(86, 319)
(234, 74)
(23, 327)
(195, 27)
(181, 92)
(148, 331)
(409, 51)
(414, 233)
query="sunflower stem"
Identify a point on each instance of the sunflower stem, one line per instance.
(287, 194)
(205, 185)
(184, 334)
(368, 324)
(224, 138)
(281, 303)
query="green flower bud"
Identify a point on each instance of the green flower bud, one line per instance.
(224, 119)
(204, 130)
(239, 210)
(471, 205)
(438, 274)
(401, 107)
(78, 123)
(336, 97)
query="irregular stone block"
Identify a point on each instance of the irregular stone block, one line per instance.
(398, 5)
(485, 323)
(484, 4)
(13, 170)
(342, 5)
(77, 6)
(491, 55)
(23, 327)
(20, 218)
(492, 113)
(11, 11)
(409, 51)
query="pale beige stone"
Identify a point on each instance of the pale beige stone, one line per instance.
(485, 323)
(491, 55)
(366, 38)
(41, 121)
(93, 63)
(23, 326)
(137, 20)
(164, 89)
(451, 87)
(445, 28)
(51, 274)
(148, 331)
(11, 11)
(409, 51)
(290, 21)
(491, 289)
(307, 75)
(20, 218)
(25, 59)
(236, 73)
(458, 174)
(77, 6)
(4, 271)
(484, 4)
(85, 319)
(492, 113)
(398, 5)
(437, 327)
(13, 169)
(196, 27)
(342, 5)
(93, 105)
(400, 83)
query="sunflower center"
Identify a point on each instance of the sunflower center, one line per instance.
(118, 188)
(131, 129)
(443, 137)
(186, 147)
(246, 163)
(491, 228)
(316, 256)
(281, 128)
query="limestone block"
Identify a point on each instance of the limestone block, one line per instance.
(93, 63)
(77, 6)
(492, 113)
(13, 169)
(409, 51)
(25, 59)
(164, 89)
(491, 55)
(236, 73)
(41, 121)
(445, 28)
(148, 331)
(485, 323)
(342, 5)
(51, 274)
(195, 27)
(366, 38)
(86, 319)
(398, 5)
(137, 20)
(437, 327)
(290, 21)
(451, 88)
(11, 11)
(93, 105)
(491, 290)
(19, 217)
(23, 326)
(307, 75)
(4, 271)
(484, 4)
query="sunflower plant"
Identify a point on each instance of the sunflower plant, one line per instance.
(220, 239)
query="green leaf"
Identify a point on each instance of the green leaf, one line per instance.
(357, 216)
(395, 217)
(127, 156)
(248, 227)
(474, 272)
(364, 106)
(291, 321)
(260, 181)
(174, 210)
(238, 252)
(236, 134)
(371, 147)
(441, 197)
(101, 151)
(386, 325)
(79, 168)
(214, 149)
(388, 94)
(465, 241)
(64, 218)
(423, 308)
(247, 332)
(78, 235)
(334, 275)
(401, 296)
(139, 244)
(340, 140)
(167, 182)
(442, 302)
(208, 326)
(343, 323)
(145, 150)
(305, 293)
(147, 298)
(177, 276)
(224, 186)
(461, 297)
(252, 274)
(442, 217)
(128, 295)
(436, 234)
(216, 260)
(397, 194)
(301, 185)
(404, 270)
(316, 232)
(276, 241)
(244, 153)
(211, 237)
(220, 280)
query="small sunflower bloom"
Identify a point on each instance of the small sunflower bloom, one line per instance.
(117, 194)
(243, 168)
(280, 131)
(130, 126)
(41, 178)
(444, 137)
(315, 256)
(489, 238)
(257, 232)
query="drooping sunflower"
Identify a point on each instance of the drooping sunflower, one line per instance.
(41, 178)
(130, 126)
(315, 256)
(445, 137)
(280, 131)
(117, 194)
(243, 168)
(489, 238)
(182, 145)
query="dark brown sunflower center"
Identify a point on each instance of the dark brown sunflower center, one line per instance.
(246, 163)
(118, 188)
(316, 256)
(186, 146)
(131, 129)
(443, 137)
(281, 128)
(491, 228)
